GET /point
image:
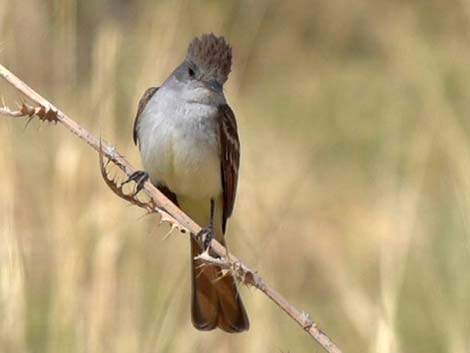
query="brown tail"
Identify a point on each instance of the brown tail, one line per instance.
(215, 299)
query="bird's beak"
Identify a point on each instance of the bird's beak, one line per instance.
(214, 85)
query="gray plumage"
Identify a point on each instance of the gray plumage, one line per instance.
(187, 136)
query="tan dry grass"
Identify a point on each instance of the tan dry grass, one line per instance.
(353, 195)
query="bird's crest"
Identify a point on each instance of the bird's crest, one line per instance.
(211, 54)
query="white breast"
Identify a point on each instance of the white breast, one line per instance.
(179, 145)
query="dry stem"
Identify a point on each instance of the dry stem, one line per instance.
(169, 212)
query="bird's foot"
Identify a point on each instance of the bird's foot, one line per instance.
(139, 177)
(206, 234)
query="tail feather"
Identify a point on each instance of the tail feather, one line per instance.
(215, 299)
(204, 303)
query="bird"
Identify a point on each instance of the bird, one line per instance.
(189, 145)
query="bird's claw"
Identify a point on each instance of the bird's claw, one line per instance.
(206, 234)
(139, 177)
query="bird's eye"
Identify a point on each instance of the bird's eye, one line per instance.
(191, 72)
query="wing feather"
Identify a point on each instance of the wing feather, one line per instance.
(230, 159)
(142, 104)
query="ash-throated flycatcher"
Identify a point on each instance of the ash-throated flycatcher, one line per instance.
(188, 140)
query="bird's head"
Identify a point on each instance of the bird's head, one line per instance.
(207, 63)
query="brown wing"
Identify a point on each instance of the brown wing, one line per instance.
(230, 159)
(142, 103)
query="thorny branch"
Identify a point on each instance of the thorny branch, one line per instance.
(158, 203)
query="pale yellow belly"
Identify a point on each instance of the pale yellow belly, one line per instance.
(189, 167)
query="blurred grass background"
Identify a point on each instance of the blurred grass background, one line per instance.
(354, 190)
